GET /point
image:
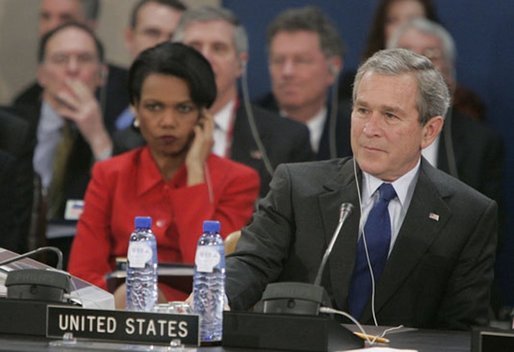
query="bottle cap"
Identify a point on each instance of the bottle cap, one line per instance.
(143, 222)
(211, 226)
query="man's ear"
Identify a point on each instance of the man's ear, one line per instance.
(431, 130)
(129, 39)
(335, 66)
(243, 61)
(103, 75)
(41, 76)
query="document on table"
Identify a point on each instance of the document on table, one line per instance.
(382, 349)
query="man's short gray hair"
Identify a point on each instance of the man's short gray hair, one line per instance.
(433, 95)
(310, 19)
(428, 27)
(210, 13)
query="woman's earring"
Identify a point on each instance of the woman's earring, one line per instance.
(136, 123)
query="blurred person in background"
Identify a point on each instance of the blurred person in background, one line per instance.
(113, 97)
(305, 56)
(151, 22)
(389, 15)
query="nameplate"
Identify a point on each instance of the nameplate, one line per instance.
(118, 325)
(492, 340)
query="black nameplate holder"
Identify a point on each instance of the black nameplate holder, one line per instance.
(492, 340)
(122, 326)
(289, 332)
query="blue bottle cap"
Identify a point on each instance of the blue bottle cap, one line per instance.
(211, 226)
(144, 222)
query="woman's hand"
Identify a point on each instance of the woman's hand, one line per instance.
(200, 148)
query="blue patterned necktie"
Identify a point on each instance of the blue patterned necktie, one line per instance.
(377, 232)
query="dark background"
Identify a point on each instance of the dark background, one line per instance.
(483, 31)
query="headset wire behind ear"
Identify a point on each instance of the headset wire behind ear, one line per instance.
(361, 226)
(333, 113)
(102, 94)
(251, 121)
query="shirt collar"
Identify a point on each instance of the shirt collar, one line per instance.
(52, 120)
(224, 117)
(149, 175)
(402, 185)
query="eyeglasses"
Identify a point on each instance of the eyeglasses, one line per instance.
(83, 59)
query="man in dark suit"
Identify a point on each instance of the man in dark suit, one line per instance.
(17, 181)
(113, 95)
(70, 128)
(219, 36)
(467, 149)
(305, 54)
(432, 256)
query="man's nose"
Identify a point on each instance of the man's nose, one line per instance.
(73, 65)
(372, 125)
(288, 67)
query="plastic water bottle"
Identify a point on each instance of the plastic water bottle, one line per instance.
(141, 278)
(209, 282)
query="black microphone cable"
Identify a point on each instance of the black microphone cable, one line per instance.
(368, 260)
(334, 107)
(448, 143)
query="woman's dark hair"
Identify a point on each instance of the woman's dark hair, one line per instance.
(177, 60)
(376, 38)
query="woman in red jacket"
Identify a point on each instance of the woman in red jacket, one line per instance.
(174, 179)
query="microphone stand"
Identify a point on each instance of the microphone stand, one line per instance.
(300, 297)
(56, 250)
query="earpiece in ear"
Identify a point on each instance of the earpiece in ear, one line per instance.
(103, 73)
(243, 65)
(136, 123)
(333, 69)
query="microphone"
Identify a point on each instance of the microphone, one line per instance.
(37, 284)
(299, 297)
(56, 250)
(344, 213)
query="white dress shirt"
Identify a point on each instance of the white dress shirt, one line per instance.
(48, 136)
(223, 123)
(404, 188)
(430, 152)
(315, 125)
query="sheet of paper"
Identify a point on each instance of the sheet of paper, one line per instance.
(382, 349)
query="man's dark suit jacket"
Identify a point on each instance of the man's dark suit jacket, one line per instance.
(438, 274)
(285, 141)
(113, 98)
(342, 135)
(479, 155)
(18, 143)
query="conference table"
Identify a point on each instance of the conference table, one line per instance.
(414, 339)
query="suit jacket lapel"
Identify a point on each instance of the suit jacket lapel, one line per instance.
(426, 215)
(243, 147)
(339, 269)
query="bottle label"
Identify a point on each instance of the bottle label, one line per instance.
(206, 259)
(139, 253)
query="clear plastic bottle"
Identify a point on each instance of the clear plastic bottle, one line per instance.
(141, 278)
(209, 282)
